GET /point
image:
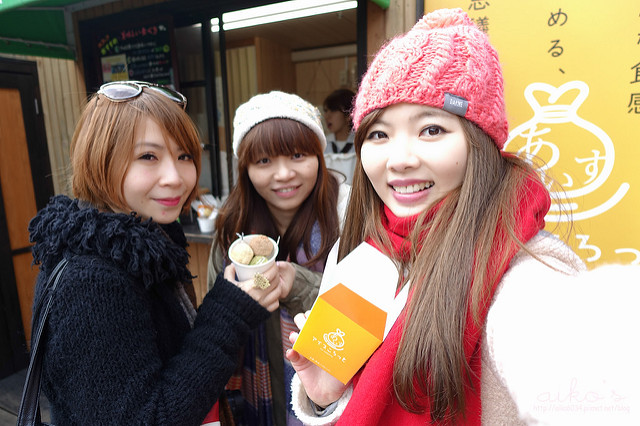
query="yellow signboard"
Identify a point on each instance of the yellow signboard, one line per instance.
(572, 89)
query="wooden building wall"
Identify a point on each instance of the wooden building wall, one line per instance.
(63, 96)
(316, 79)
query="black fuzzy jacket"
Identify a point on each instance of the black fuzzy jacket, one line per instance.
(119, 348)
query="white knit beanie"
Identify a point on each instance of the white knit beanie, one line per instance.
(275, 105)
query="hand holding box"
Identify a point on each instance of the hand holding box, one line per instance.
(356, 308)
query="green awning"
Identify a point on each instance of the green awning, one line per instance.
(40, 27)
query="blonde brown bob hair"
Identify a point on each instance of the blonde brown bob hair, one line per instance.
(103, 144)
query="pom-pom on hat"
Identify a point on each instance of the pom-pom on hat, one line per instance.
(275, 105)
(445, 62)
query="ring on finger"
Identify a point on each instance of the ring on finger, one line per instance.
(260, 281)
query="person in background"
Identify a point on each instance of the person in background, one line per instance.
(337, 115)
(124, 342)
(284, 191)
(339, 153)
(503, 324)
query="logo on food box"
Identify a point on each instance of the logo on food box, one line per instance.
(331, 345)
(335, 339)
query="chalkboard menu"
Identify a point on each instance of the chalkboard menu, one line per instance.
(137, 52)
(131, 49)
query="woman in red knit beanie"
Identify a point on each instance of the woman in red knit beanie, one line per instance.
(462, 219)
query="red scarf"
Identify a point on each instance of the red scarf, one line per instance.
(373, 401)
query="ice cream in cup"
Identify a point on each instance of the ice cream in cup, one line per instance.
(251, 254)
(206, 218)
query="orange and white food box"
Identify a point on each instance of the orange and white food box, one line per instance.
(355, 309)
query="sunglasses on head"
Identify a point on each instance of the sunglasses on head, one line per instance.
(122, 91)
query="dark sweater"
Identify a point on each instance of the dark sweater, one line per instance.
(119, 346)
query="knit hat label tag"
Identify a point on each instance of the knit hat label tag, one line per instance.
(455, 104)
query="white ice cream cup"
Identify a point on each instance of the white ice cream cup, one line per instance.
(246, 272)
(206, 224)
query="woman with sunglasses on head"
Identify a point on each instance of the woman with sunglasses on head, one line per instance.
(124, 343)
(494, 301)
(284, 191)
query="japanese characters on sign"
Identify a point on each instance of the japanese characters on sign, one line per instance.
(634, 97)
(137, 52)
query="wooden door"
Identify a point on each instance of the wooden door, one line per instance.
(25, 186)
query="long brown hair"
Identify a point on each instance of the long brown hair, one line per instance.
(246, 211)
(448, 267)
(104, 141)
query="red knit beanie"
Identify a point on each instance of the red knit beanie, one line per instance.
(444, 61)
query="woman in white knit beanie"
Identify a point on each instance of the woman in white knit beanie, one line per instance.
(284, 191)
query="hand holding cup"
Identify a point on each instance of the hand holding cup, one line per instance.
(266, 295)
(253, 261)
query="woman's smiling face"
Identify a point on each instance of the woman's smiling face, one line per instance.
(414, 155)
(284, 181)
(160, 177)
